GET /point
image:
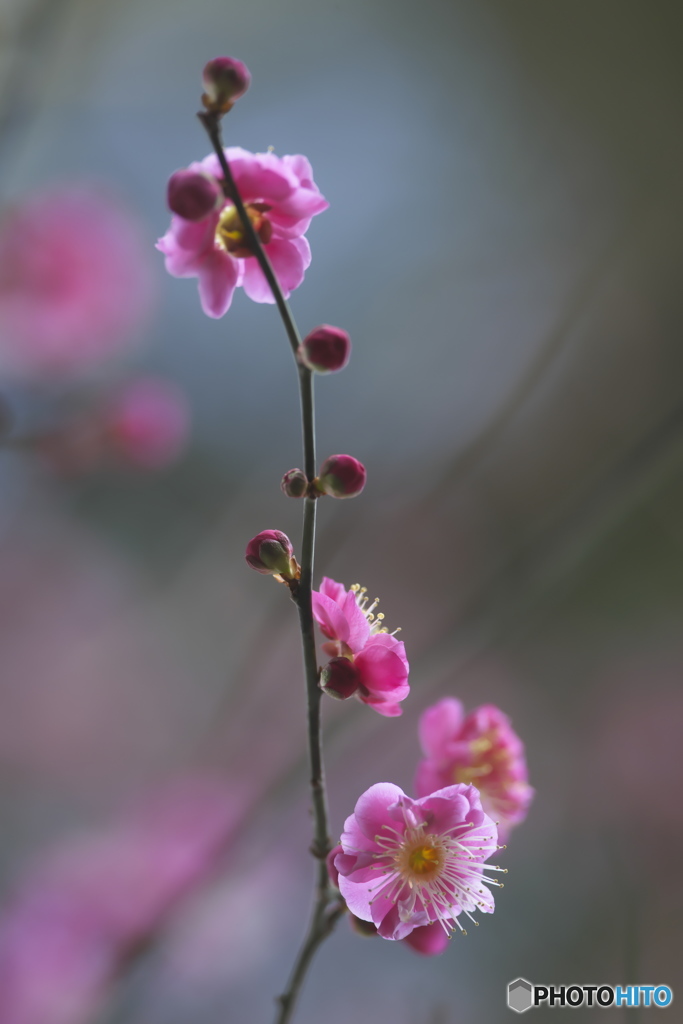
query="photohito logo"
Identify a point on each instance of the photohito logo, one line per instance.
(522, 995)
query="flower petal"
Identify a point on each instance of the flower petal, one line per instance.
(438, 726)
(289, 259)
(429, 939)
(372, 809)
(218, 278)
(330, 617)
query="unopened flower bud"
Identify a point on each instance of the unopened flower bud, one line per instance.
(294, 483)
(225, 79)
(326, 349)
(340, 678)
(271, 553)
(193, 195)
(342, 476)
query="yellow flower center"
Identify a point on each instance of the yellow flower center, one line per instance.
(230, 234)
(424, 860)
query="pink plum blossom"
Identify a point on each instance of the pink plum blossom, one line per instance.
(74, 282)
(281, 199)
(91, 902)
(356, 633)
(480, 748)
(410, 863)
(147, 422)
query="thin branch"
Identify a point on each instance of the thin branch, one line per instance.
(326, 909)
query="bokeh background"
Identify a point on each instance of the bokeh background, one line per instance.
(504, 245)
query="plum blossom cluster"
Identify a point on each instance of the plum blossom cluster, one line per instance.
(411, 869)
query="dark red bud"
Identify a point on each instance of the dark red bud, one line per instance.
(339, 678)
(341, 476)
(225, 79)
(193, 195)
(271, 553)
(326, 349)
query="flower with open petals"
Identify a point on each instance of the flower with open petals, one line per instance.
(281, 199)
(355, 632)
(480, 748)
(410, 863)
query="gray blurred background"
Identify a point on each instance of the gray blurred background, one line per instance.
(504, 246)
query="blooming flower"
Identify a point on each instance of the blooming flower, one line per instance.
(74, 282)
(356, 633)
(410, 863)
(281, 198)
(480, 749)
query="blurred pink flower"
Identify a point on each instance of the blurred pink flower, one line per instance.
(90, 903)
(409, 863)
(147, 422)
(75, 282)
(480, 749)
(281, 199)
(356, 633)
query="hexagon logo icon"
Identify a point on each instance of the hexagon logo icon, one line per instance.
(520, 995)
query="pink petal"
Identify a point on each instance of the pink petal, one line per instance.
(439, 725)
(382, 672)
(359, 628)
(429, 939)
(289, 259)
(330, 617)
(260, 175)
(218, 278)
(335, 591)
(372, 809)
(383, 707)
(358, 896)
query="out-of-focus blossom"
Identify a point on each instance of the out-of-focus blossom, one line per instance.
(225, 79)
(281, 199)
(341, 476)
(356, 633)
(409, 863)
(75, 283)
(271, 553)
(147, 422)
(81, 913)
(326, 349)
(481, 749)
